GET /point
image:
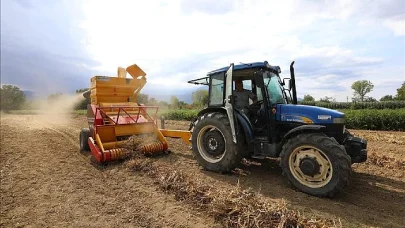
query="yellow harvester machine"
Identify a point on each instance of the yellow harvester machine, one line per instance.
(114, 115)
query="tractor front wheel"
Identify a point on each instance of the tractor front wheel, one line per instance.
(316, 164)
(84, 136)
(213, 145)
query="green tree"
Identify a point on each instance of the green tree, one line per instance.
(12, 98)
(401, 92)
(369, 99)
(174, 102)
(361, 88)
(327, 99)
(200, 98)
(142, 98)
(162, 104)
(152, 101)
(182, 104)
(83, 104)
(308, 98)
(387, 98)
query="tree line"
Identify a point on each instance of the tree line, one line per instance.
(13, 98)
(360, 89)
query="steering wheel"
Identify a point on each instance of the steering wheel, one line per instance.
(257, 104)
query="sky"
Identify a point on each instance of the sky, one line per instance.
(52, 46)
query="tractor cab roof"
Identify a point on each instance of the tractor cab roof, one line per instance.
(242, 71)
(247, 66)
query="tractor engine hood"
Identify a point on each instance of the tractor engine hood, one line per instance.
(308, 114)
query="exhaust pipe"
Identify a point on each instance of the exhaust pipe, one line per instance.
(294, 89)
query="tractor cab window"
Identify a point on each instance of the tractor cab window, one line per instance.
(273, 87)
(259, 94)
(217, 90)
(247, 85)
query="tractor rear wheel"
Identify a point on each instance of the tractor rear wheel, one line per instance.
(213, 145)
(84, 136)
(316, 164)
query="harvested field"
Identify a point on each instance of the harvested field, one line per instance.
(46, 181)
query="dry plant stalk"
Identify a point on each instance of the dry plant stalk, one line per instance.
(385, 161)
(383, 137)
(134, 144)
(234, 207)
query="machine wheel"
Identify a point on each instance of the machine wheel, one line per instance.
(316, 164)
(84, 136)
(213, 145)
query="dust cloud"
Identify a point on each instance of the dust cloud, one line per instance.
(58, 110)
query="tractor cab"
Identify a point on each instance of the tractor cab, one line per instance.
(262, 88)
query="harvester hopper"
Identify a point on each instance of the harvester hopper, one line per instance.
(114, 116)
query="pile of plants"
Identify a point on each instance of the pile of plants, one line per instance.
(232, 207)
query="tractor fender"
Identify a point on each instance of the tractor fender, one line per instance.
(202, 112)
(247, 128)
(243, 121)
(301, 129)
(211, 109)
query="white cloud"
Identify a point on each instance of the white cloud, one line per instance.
(332, 42)
(397, 26)
(161, 35)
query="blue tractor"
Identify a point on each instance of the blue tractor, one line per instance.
(315, 150)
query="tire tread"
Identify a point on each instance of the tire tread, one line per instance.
(343, 168)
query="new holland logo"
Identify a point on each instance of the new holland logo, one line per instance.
(324, 117)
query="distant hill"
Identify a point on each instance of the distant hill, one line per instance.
(186, 97)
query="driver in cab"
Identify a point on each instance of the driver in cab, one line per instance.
(242, 97)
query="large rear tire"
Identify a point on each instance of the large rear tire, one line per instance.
(316, 164)
(84, 136)
(213, 145)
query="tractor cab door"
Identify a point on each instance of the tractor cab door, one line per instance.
(265, 128)
(229, 100)
(265, 113)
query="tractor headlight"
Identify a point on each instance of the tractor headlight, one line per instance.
(339, 120)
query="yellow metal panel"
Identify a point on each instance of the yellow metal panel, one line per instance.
(185, 135)
(115, 89)
(134, 129)
(106, 133)
(135, 71)
(99, 143)
(110, 145)
(122, 73)
(160, 136)
(114, 145)
(138, 89)
(110, 104)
